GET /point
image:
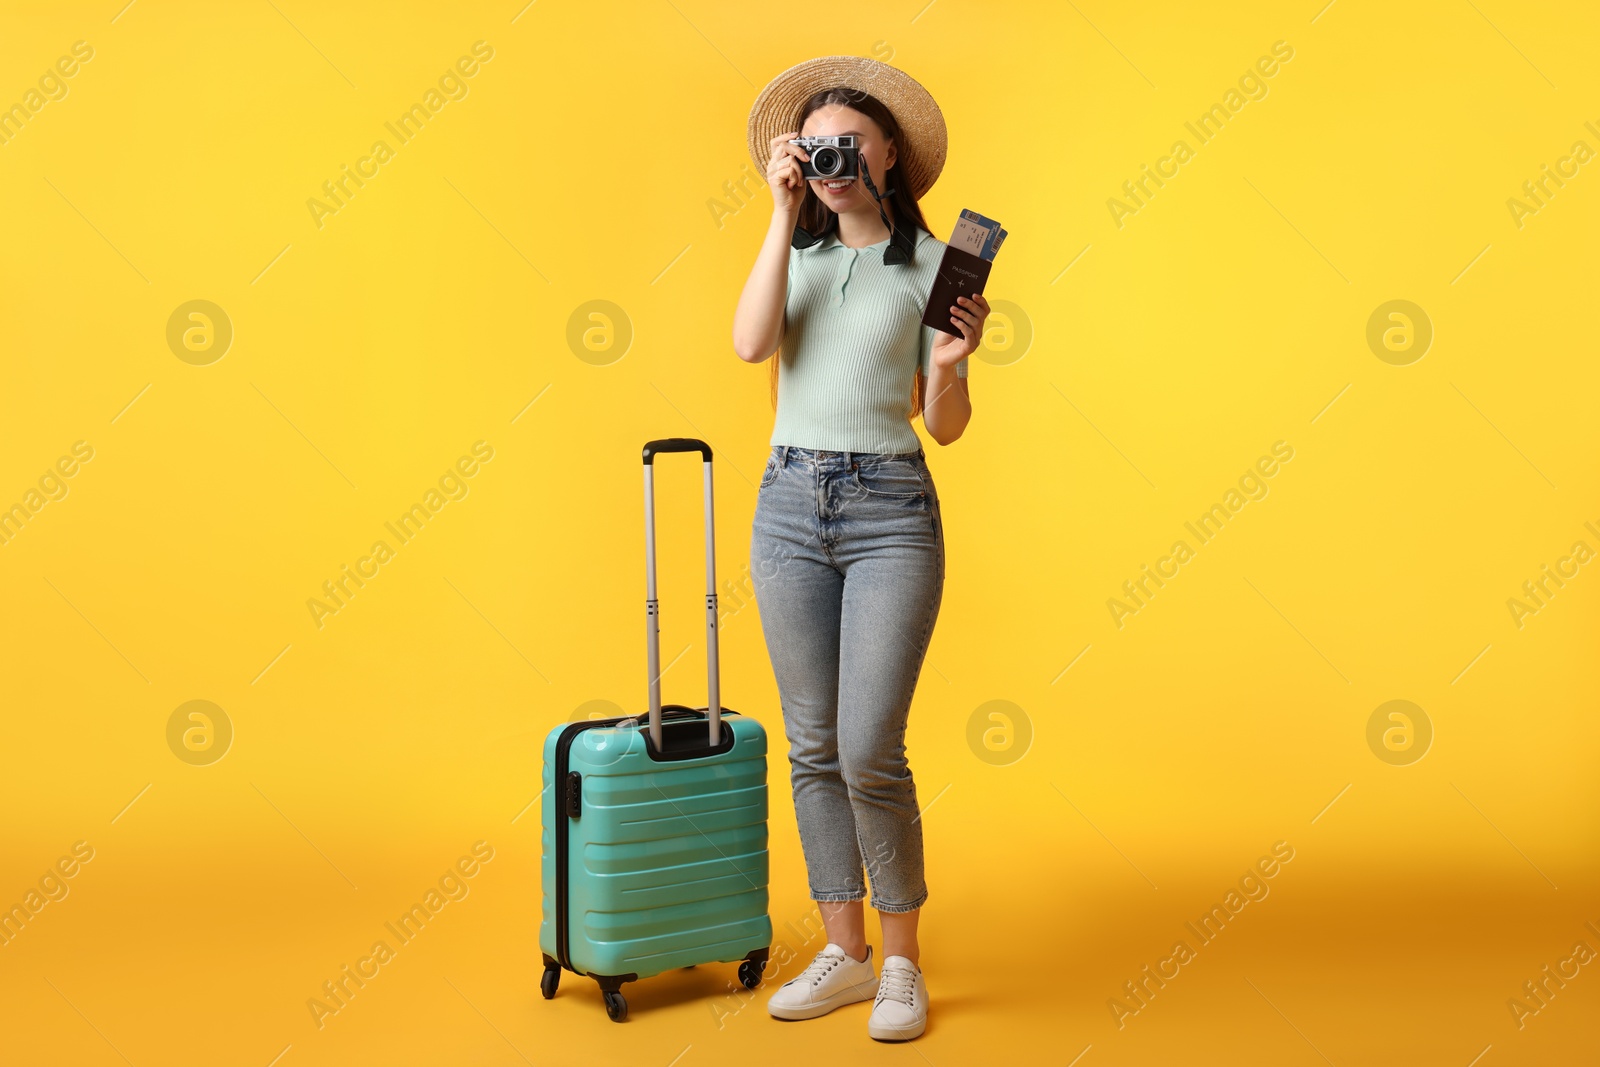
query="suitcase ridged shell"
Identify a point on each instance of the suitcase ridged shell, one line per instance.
(667, 863)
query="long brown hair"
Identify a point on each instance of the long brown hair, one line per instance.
(819, 219)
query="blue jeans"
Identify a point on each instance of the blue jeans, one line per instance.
(847, 557)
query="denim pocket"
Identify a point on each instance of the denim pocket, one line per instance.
(897, 479)
(770, 475)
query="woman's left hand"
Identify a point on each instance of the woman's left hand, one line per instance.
(948, 350)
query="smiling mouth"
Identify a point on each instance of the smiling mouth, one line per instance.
(838, 186)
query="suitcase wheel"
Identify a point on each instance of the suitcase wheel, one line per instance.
(616, 1006)
(549, 980)
(750, 973)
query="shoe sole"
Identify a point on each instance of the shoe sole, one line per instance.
(892, 1033)
(849, 995)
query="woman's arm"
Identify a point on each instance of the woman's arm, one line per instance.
(758, 320)
(946, 403)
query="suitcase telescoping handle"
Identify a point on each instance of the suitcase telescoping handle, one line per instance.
(652, 610)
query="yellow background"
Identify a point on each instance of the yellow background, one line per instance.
(1229, 313)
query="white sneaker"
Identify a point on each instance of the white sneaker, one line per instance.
(901, 1010)
(832, 980)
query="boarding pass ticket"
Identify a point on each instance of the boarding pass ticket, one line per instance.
(977, 234)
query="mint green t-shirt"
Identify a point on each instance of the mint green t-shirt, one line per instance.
(853, 341)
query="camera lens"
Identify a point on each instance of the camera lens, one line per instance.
(827, 161)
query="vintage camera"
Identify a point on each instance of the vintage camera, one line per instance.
(832, 158)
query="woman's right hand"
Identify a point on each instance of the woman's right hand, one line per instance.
(783, 174)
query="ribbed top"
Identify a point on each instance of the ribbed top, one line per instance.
(853, 341)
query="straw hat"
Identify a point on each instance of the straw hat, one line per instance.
(921, 145)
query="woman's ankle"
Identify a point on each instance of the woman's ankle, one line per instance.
(855, 952)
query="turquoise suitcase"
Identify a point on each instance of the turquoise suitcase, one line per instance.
(654, 834)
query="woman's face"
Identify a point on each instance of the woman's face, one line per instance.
(877, 155)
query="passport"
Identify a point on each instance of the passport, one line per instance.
(964, 268)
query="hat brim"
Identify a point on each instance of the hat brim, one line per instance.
(921, 146)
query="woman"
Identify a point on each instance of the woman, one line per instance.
(847, 547)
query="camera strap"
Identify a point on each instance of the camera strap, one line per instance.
(804, 238)
(901, 239)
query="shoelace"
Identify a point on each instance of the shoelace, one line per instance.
(897, 984)
(819, 968)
